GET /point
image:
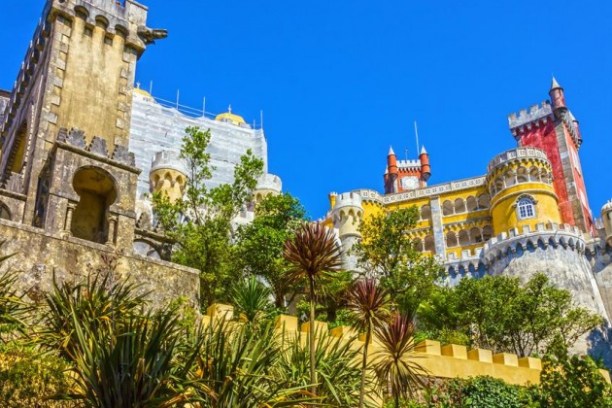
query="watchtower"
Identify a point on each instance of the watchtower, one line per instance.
(64, 160)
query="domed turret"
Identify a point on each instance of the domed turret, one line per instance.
(606, 216)
(522, 194)
(168, 175)
(266, 185)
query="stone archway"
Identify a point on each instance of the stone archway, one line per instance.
(97, 192)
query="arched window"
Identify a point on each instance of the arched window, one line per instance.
(451, 240)
(525, 208)
(487, 233)
(447, 208)
(521, 175)
(476, 235)
(472, 204)
(464, 238)
(430, 244)
(534, 174)
(484, 200)
(426, 212)
(459, 206)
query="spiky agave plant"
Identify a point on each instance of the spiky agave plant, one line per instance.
(391, 361)
(312, 253)
(236, 367)
(13, 308)
(97, 304)
(337, 367)
(132, 364)
(367, 303)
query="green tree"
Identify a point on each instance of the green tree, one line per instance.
(200, 224)
(260, 244)
(387, 250)
(498, 313)
(368, 305)
(312, 254)
(568, 382)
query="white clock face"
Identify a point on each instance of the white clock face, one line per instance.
(410, 183)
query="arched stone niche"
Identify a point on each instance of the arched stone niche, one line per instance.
(97, 192)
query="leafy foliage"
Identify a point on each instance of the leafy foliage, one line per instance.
(387, 251)
(497, 313)
(573, 382)
(337, 367)
(200, 224)
(478, 392)
(260, 244)
(251, 298)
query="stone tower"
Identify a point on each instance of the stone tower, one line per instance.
(553, 128)
(64, 158)
(347, 216)
(606, 217)
(168, 175)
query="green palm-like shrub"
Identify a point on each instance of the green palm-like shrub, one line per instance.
(237, 367)
(251, 298)
(337, 363)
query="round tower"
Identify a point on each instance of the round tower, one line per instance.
(168, 175)
(266, 185)
(606, 217)
(425, 165)
(521, 189)
(347, 216)
(557, 95)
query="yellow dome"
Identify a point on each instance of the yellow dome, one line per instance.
(231, 118)
(142, 92)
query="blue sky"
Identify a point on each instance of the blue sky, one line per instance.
(340, 81)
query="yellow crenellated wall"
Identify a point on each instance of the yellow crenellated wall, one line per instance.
(437, 360)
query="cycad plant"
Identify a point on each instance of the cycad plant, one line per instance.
(337, 366)
(237, 367)
(367, 303)
(13, 308)
(311, 254)
(391, 361)
(251, 298)
(98, 304)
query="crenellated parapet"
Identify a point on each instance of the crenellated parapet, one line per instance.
(266, 185)
(438, 360)
(533, 117)
(543, 236)
(75, 139)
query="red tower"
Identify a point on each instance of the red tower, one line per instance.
(552, 128)
(405, 175)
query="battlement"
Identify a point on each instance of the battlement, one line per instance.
(438, 360)
(75, 139)
(544, 236)
(352, 199)
(408, 164)
(533, 116)
(270, 182)
(169, 160)
(520, 153)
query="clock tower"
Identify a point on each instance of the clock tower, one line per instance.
(406, 175)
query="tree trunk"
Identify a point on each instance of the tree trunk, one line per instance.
(313, 371)
(364, 365)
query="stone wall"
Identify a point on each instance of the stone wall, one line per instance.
(39, 256)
